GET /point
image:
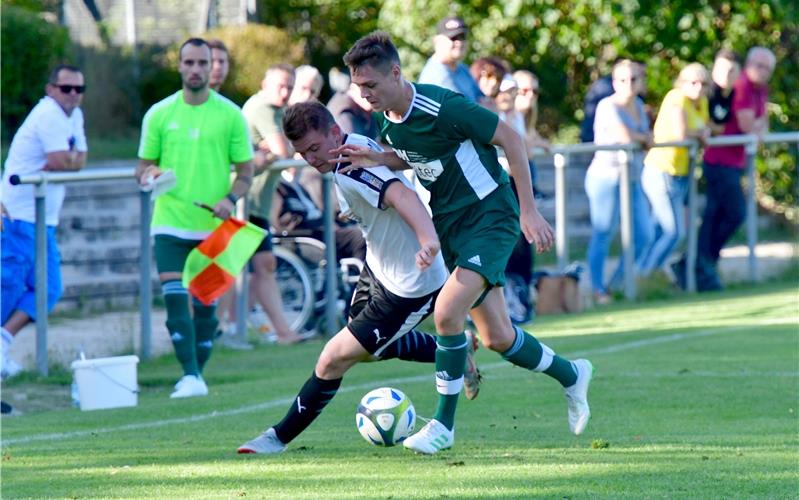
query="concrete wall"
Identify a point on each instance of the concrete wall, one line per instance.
(99, 238)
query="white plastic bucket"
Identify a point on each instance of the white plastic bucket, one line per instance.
(106, 382)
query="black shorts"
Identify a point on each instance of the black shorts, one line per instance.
(378, 317)
(266, 243)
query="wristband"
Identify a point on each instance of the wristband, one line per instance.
(232, 198)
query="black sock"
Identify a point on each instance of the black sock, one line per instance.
(309, 403)
(205, 325)
(413, 346)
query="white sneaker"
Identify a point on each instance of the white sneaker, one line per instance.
(267, 444)
(431, 438)
(577, 397)
(9, 368)
(471, 374)
(190, 386)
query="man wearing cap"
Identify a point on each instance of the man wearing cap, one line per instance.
(444, 68)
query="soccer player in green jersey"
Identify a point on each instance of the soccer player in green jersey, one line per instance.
(449, 142)
(197, 134)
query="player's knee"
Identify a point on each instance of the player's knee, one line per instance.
(497, 339)
(446, 322)
(330, 366)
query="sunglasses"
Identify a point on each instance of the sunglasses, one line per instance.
(632, 79)
(525, 91)
(458, 38)
(66, 89)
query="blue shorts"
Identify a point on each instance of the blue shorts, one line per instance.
(19, 269)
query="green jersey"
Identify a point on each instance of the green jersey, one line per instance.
(198, 143)
(447, 140)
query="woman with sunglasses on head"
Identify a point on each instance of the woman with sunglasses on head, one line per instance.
(527, 105)
(683, 115)
(620, 119)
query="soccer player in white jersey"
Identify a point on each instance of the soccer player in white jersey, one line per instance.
(399, 283)
(449, 142)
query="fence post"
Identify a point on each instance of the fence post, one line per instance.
(751, 210)
(692, 236)
(561, 218)
(41, 278)
(242, 290)
(145, 271)
(625, 211)
(331, 270)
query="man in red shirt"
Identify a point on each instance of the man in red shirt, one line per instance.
(724, 165)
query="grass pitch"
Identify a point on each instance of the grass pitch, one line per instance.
(693, 398)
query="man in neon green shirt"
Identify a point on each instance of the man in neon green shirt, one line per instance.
(197, 134)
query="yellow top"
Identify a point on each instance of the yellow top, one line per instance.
(674, 161)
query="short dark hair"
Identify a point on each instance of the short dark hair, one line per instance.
(304, 117)
(729, 55)
(197, 42)
(491, 65)
(216, 43)
(53, 78)
(376, 50)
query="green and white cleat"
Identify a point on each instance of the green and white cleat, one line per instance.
(577, 396)
(265, 444)
(431, 438)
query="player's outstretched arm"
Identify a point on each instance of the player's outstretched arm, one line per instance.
(410, 208)
(534, 227)
(365, 157)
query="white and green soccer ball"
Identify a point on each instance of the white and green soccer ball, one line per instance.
(385, 416)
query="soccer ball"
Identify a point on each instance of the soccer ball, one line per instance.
(385, 416)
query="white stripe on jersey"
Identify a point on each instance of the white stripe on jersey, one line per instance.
(474, 171)
(425, 108)
(426, 100)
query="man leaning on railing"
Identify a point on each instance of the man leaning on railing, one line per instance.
(51, 138)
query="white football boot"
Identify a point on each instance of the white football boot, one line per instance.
(577, 396)
(471, 374)
(265, 444)
(431, 438)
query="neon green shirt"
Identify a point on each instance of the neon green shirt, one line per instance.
(198, 143)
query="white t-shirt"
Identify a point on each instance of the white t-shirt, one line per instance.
(391, 244)
(47, 129)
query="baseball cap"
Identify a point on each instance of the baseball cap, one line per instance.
(451, 26)
(507, 84)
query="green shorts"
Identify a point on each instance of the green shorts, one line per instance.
(482, 236)
(171, 252)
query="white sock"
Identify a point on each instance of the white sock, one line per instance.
(7, 339)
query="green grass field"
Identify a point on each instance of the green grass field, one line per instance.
(693, 398)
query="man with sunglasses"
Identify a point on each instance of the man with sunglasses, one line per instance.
(50, 139)
(445, 67)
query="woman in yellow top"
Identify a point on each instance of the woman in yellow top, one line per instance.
(683, 115)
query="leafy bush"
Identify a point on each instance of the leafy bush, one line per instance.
(253, 48)
(29, 47)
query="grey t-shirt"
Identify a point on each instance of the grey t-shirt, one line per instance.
(609, 117)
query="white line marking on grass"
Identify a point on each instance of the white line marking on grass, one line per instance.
(60, 436)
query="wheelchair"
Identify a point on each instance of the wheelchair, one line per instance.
(300, 274)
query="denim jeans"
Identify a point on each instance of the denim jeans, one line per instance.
(725, 210)
(667, 195)
(603, 199)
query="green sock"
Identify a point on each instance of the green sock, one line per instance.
(529, 353)
(205, 325)
(450, 361)
(180, 326)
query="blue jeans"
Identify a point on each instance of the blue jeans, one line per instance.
(603, 199)
(725, 210)
(19, 269)
(667, 195)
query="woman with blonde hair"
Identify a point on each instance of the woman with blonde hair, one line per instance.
(683, 115)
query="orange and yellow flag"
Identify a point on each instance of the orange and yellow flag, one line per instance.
(212, 267)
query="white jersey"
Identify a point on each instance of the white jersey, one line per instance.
(47, 129)
(391, 244)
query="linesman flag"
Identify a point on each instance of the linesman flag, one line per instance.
(211, 268)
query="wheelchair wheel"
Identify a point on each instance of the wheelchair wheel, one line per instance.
(296, 289)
